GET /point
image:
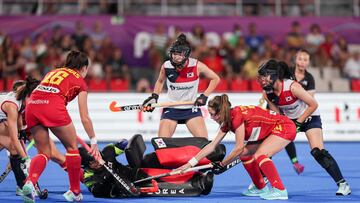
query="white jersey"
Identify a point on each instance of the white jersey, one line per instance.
(290, 105)
(9, 97)
(182, 85)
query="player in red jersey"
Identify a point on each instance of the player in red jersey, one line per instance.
(46, 109)
(266, 134)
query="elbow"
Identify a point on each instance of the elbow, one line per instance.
(216, 80)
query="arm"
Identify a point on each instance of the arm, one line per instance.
(205, 151)
(160, 81)
(303, 95)
(272, 106)
(11, 111)
(86, 122)
(214, 78)
(239, 145)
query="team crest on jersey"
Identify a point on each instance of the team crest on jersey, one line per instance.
(160, 143)
(190, 75)
(289, 98)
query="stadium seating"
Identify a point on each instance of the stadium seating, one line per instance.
(203, 84)
(355, 85)
(8, 84)
(340, 85)
(239, 85)
(255, 86)
(119, 85)
(223, 86)
(97, 85)
(2, 87)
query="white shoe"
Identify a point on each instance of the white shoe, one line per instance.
(28, 192)
(19, 191)
(71, 197)
(344, 189)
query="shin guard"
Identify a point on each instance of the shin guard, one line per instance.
(268, 168)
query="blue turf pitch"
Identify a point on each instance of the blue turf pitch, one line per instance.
(314, 185)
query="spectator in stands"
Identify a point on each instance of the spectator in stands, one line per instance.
(325, 50)
(198, 41)
(159, 42)
(95, 70)
(79, 35)
(26, 49)
(313, 40)
(143, 86)
(106, 50)
(215, 62)
(295, 38)
(251, 66)
(97, 35)
(40, 46)
(253, 40)
(116, 67)
(235, 35)
(340, 52)
(352, 66)
(67, 43)
(236, 61)
(56, 36)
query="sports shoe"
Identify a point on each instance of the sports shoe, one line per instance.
(254, 191)
(344, 189)
(28, 192)
(71, 197)
(19, 191)
(253, 185)
(274, 194)
(299, 168)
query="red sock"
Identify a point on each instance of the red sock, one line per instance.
(268, 168)
(253, 170)
(37, 166)
(63, 166)
(73, 162)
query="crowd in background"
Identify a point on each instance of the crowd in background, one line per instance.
(236, 58)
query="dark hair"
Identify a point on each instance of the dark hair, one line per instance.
(17, 84)
(26, 89)
(284, 71)
(222, 106)
(303, 51)
(181, 45)
(76, 60)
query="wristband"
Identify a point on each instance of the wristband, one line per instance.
(93, 140)
(193, 162)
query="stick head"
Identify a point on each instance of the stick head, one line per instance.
(113, 107)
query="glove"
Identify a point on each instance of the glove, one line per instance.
(298, 126)
(25, 165)
(201, 100)
(151, 100)
(218, 168)
(23, 135)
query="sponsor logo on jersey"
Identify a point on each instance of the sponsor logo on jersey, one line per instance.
(172, 87)
(47, 89)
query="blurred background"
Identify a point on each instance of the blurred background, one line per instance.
(127, 40)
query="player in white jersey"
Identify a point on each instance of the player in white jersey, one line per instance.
(181, 74)
(12, 106)
(288, 97)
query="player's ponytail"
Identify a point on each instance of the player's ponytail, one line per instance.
(225, 107)
(26, 89)
(284, 71)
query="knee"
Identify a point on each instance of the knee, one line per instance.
(322, 156)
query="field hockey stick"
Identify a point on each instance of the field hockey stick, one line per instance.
(171, 173)
(130, 188)
(115, 108)
(8, 166)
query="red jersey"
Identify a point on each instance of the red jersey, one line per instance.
(260, 123)
(61, 84)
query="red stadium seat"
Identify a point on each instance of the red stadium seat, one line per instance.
(355, 85)
(97, 85)
(223, 86)
(255, 86)
(2, 86)
(203, 84)
(119, 85)
(8, 84)
(238, 85)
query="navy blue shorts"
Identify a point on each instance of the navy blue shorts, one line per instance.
(180, 115)
(311, 122)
